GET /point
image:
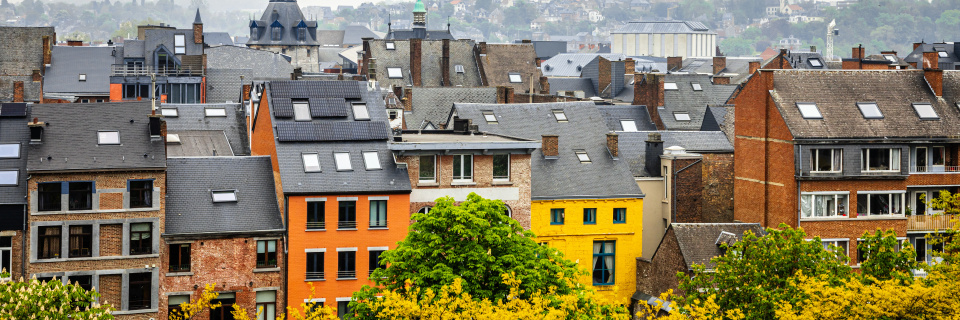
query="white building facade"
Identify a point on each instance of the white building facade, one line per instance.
(687, 39)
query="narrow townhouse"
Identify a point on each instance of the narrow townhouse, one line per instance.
(829, 152)
(345, 200)
(97, 178)
(223, 227)
(14, 138)
(577, 170)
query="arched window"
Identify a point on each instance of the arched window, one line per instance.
(425, 209)
(507, 211)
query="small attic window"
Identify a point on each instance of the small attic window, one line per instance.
(809, 110)
(890, 58)
(108, 137)
(870, 110)
(343, 161)
(215, 112)
(582, 156)
(391, 46)
(815, 62)
(179, 44)
(560, 116)
(360, 112)
(696, 86)
(681, 116)
(10, 150)
(628, 125)
(943, 54)
(458, 68)
(394, 73)
(224, 196)
(83, 77)
(173, 138)
(371, 159)
(311, 162)
(925, 111)
(9, 177)
(490, 117)
(670, 86)
(515, 78)
(301, 110)
(169, 112)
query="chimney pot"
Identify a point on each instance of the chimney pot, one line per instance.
(550, 145)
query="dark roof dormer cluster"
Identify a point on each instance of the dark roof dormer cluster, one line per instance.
(283, 24)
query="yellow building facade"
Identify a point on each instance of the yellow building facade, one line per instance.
(593, 232)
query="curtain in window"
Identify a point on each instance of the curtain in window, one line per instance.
(76, 240)
(378, 213)
(603, 262)
(820, 206)
(805, 206)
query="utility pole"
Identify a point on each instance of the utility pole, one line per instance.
(153, 91)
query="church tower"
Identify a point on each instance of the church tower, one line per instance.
(419, 14)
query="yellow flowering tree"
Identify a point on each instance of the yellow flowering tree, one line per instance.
(190, 309)
(52, 300)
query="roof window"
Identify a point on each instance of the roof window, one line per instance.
(391, 46)
(582, 156)
(681, 116)
(394, 73)
(490, 117)
(9, 177)
(925, 111)
(108, 137)
(343, 161)
(815, 62)
(809, 110)
(628, 125)
(890, 58)
(169, 112)
(515, 78)
(870, 110)
(311, 162)
(943, 54)
(179, 44)
(215, 112)
(10, 150)
(458, 68)
(83, 77)
(372, 160)
(173, 138)
(360, 112)
(301, 110)
(670, 86)
(696, 86)
(224, 195)
(560, 116)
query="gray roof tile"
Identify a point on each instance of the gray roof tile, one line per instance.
(432, 105)
(13, 129)
(698, 241)
(192, 117)
(664, 27)
(694, 103)
(68, 63)
(633, 145)
(613, 114)
(288, 15)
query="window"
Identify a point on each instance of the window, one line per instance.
(83, 77)
(839, 245)
(939, 157)
(185, 93)
(226, 300)
(920, 157)
(394, 73)
(378, 213)
(49, 196)
(826, 160)
(9, 177)
(372, 160)
(501, 167)
(823, 205)
(681, 116)
(360, 112)
(515, 78)
(696, 86)
(925, 111)
(343, 161)
(920, 199)
(169, 112)
(302, 35)
(84, 282)
(139, 294)
(604, 256)
(428, 168)
(582, 156)
(943, 54)
(374, 260)
(590, 216)
(311, 162)
(490, 117)
(141, 241)
(628, 125)
(346, 264)
(141, 193)
(391, 46)
(48, 239)
(276, 33)
(870, 110)
(108, 137)
(424, 210)
(301, 111)
(880, 159)
(507, 211)
(463, 167)
(266, 305)
(920, 245)
(458, 68)
(174, 302)
(10, 150)
(81, 241)
(620, 215)
(179, 44)
(347, 215)
(880, 203)
(225, 196)
(80, 195)
(670, 86)
(316, 211)
(556, 216)
(266, 253)
(343, 309)
(6, 247)
(814, 62)
(215, 112)
(560, 116)
(314, 266)
(809, 110)
(133, 91)
(180, 257)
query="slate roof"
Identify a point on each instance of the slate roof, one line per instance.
(13, 129)
(165, 37)
(697, 241)
(198, 143)
(286, 14)
(191, 117)
(432, 105)
(419, 33)
(326, 134)
(548, 49)
(664, 27)
(225, 65)
(949, 63)
(217, 39)
(330, 37)
(695, 103)
(353, 34)
(189, 202)
(603, 178)
(67, 63)
(21, 53)
(633, 145)
(837, 92)
(738, 68)
(502, 60)
(461, 53)
(70, 137)
(565, 64)
(612, 114)
(572, 84)
(801, 60)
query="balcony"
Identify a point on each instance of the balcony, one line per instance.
(935, 169)
(930, 223)
(137, 70)
(314, 276)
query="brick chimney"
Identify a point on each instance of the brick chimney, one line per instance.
(445, 64)
(544, 85)
(483, 47)
(612, 145)
(719, 63)
(35, 76)
(197, 28)
(932, 73)
(74, 43)
(365, 56)
(674, 63)
(813, 48)
(47, 49)
(372, 69)
(604, 76)
(629, 66)
(931, 60)
(18, 91)
(754, 66)
(858, 52)
(549, 146)
(407, 99)
(246, 92)
(648, 91)
(415, 49)
(652, 152)
(721, 80)
(917, 45)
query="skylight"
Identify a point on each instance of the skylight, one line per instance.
(9, 177)
(515, 78)
(628, 125)
(809, 110)
(943, 54)
(10, 150)
(560, 116)
(311, 162)
(890, 58)
(490, 117)
(169, 112)
(108, 137)
(669, 86)
(458, 68)
(582, 156)
(215, 112)
(696, 86)
(371, 159)
(391, 46)
(225, 196)
(870, 110)
(681, 116)
(925, 111)
(343, 161)
(301, 111)
(173, 138)
(179, 44)
(815, 62)
(83, 77)
(360, 112)
(394, 73)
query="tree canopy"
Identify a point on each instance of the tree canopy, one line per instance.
(52, 300)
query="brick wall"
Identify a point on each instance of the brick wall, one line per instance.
(659, 274)
(852, 229)
(110, 289)
(717, 198)
(604, 76)
(415, 51)
(688, 191)
(110, 240)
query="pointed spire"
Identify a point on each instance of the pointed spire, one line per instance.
(197, 19)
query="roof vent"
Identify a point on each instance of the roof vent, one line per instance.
(569, 60)
(674, 150)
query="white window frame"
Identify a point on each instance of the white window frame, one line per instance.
(11, 147)
(835, 153)
(173, 138)
(390, 45)
(925, 111)
(462, 177)
(490, 117)
(6, 173)
(301, 111)
(809, 110)
(681, 116)
(169, 112)
(108, 137)
(434, 169)
(816, 63)
(560, 116)
(394, 73)
(458, 68)
(371, 159)
(867, 110)
(215, 112)
(696, 86)
(83, 77)
(835, 242)
(812, 214)
(628, 125)
(515, 78)
(308, 160)
(224, 195)
(360, 112)
(582, 156)
(179, 44)
(342, 159)
(943, 54)
(670, 86)
(894, 159)
(890, 193)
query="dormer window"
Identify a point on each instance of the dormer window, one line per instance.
(925, 111)
(169, 112)
(394, 73)
(870, 110)
(276, 31)
(582, 156)
(179, 44)
(490, 117)
(696, 86)
(515, 78)
(83, 77)
(302, 34)
(670, 86)
(254, 33)
(560, 116)
(809, 110)
(391, 46)
(108, 137)
(224, 196)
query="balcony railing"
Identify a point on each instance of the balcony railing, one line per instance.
(930, 223)
(267, 264)
(352, 274)
(350, 224)
(312, 276)
(131, 70)
(935, 169)
(380, 224)
(316, 225)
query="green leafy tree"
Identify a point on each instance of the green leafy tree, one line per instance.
(886, 259)
(34, 299)
(736, 47)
